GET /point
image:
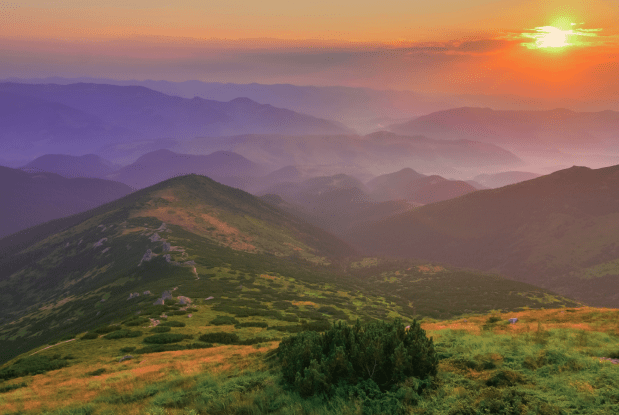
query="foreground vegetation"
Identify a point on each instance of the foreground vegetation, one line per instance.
(547, 363)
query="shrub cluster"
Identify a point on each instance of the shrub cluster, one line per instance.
(158, 348)
(161, 329)
(165, 338)
(32, 365)
(172, 323)
(379, 354)
(224, 320)
(231, 338)
(89, 336)
(261, 324)
(136, 321)
(122, 334)
(106, 329)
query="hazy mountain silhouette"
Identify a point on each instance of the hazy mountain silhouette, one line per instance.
(89, 165)
(100, 114)
(357, 154)
(416, 188)
(504, 178)
(160, 165)
(557, 231)
(533, 130)
(29, 199)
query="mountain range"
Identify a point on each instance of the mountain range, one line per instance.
(89, 165)
(556, 231)
(81, 118)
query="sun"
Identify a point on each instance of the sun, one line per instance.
(552, 37)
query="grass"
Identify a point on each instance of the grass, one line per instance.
(547, 363)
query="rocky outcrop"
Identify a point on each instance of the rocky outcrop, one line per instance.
(133, 295)
(166, 247)
(155, 237)
(182, 300)
(99, 243)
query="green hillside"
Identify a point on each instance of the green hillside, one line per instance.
(196, 238)
(557, 231)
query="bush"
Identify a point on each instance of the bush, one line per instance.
(219, 337)
(179, 312)
(89, 336)
(161, 329)
(96, 372)
(158, 348)
(224, 320)
(32, 365)
(122, 334)
(138, 321)
(260, 324)
(127, 349)
(106, 329)
(165, 338)
(380, 353)
(8, 388)
(172, 323)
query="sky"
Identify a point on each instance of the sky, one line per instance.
(554, 50)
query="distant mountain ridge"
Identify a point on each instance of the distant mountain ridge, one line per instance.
(547, 130)
(160, 165)
(556, 231)
(29, 199)
(89, 165)
(100, 114)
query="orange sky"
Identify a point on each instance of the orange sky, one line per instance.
(447, 46)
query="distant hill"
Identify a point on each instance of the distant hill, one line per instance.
(409, 185)
(381, 151)
(160, 165)
(393, 186)
(505, 178)
(89, 165)
(101, 114)
(29, 199)
(540, 130)
(557, 231)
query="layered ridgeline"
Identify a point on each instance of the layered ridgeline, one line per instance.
(29, 199)
(81, 118)
(557, 231)
(89, 165)
(232, 254)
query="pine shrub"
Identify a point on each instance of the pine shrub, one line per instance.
(375, 353)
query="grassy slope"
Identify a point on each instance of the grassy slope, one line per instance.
(547, 363)
(558, 231)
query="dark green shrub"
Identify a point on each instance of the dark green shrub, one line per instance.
(192, 310)
(165, 338)
(122, 334)
(158, 348)
(106, 329)
(503, 378)
(161, 329)
(8, 388)
(292, 318)
(385, 354)
(493, 319)
(219, 337)
(139, 321)
(32, 365)
(261, 324)
(172, 323)
(89, 336)
(128, 349)
(179, 312)
(224, 320)
(96, 372)
(254, 340)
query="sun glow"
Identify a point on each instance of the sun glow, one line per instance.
(557, 37)
(553, 37)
